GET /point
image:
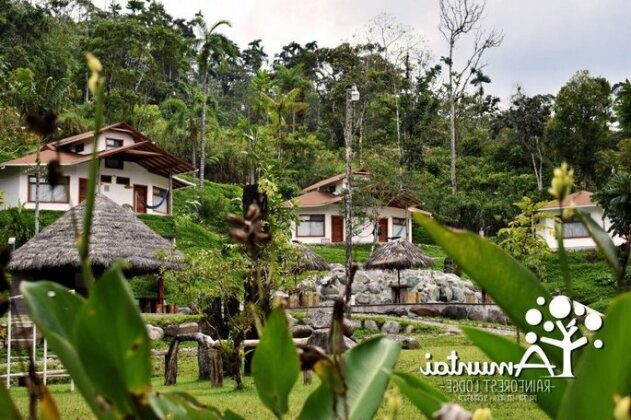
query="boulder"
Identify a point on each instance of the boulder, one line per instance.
(363, 298)
(454, 312)
(358, 287)
(371, 325)
(291, 321)
(407, 343)
(320, 319)
(374, 287)
(301, 331)
(425, 310)
(496, 315)
(401, 312)
(155, 333)
(390, 327)
(185, 311)
(320, 338)
(171, 330)
(188, 328)
(451, 330)
(409, 329)
(457, 294)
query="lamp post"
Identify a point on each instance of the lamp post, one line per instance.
(12, 242)
(352, 95)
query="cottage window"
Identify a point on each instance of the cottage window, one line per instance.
(121, 180)
(106, 179)
(114, 163)
(160, 200)
(48, 194)
(574, 229)
(113, 143)
(310, 225)
(79, 148)
(399, 227)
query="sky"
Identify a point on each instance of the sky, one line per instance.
(545, 41)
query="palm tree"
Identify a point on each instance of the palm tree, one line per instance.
(277, 104)
(288, 79)
(181, 123)
(214, 46)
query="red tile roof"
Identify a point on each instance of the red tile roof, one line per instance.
(579, 198)
(314, 199)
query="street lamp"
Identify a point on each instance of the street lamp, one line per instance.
(352, 96)
(12, 242)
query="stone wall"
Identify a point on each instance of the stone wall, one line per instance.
(372, 287)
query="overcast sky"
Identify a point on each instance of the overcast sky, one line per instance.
(545, 41)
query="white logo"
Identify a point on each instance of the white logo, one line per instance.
(560, 308)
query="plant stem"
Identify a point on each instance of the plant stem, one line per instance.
(84, 242)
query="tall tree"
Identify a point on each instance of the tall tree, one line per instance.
(527, 117)
(580, 125)
(622, 106)
(213, 47)
(457, 19)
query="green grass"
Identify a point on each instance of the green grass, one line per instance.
(247, 404)
(336, 254)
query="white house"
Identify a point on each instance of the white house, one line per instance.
(133, 172)
(575, 237)
(321, 215)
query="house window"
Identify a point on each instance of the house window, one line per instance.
(114, 163)
(113, 144)
(121, 180)
(160, 200)
(310, 225)
(79, 148)
(48, 194)
(400, 228)
(106, 179)
(331, 189)
(572, 228)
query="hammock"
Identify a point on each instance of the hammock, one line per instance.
(155, 206)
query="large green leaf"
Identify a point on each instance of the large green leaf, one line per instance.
(55, 311)
(180, 406)
(424, 396)
(603, 241)
(500, 349)
(513, 287)
(602, 373)
(275, 365)
(367, 368)
(113, 344)
(7, 407)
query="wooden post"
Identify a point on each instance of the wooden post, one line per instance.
(216, 368)
(160, 303)
(170, 204)
(170, 363)
(307, 377)
(203, 361)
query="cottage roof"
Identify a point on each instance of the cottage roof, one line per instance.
(144, 152)
(116, 234)
(580, 198)
(333, 180)
(398, 255)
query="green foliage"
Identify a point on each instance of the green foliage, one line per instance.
(427, 399)
(367, 368)
(275, 366)
(207, 273)
(164, 320)
(615, 199)
(162, 225)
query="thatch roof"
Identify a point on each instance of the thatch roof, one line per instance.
(116, 234)
(309, 261)
(398, 255)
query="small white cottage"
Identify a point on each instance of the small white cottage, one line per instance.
(134, 172)
(321, 215)
(575, 237)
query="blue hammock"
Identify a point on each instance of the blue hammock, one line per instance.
(155, 206)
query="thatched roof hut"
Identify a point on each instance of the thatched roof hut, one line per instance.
(309, 261)
(116, 234)
(398, 255)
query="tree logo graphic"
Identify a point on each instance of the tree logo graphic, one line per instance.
(560, 308)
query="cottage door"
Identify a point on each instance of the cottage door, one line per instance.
(337, 229)
(140, 198)
(383, 230)
(83, 189)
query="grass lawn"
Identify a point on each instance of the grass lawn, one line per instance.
(247, 404)
(336, 254)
